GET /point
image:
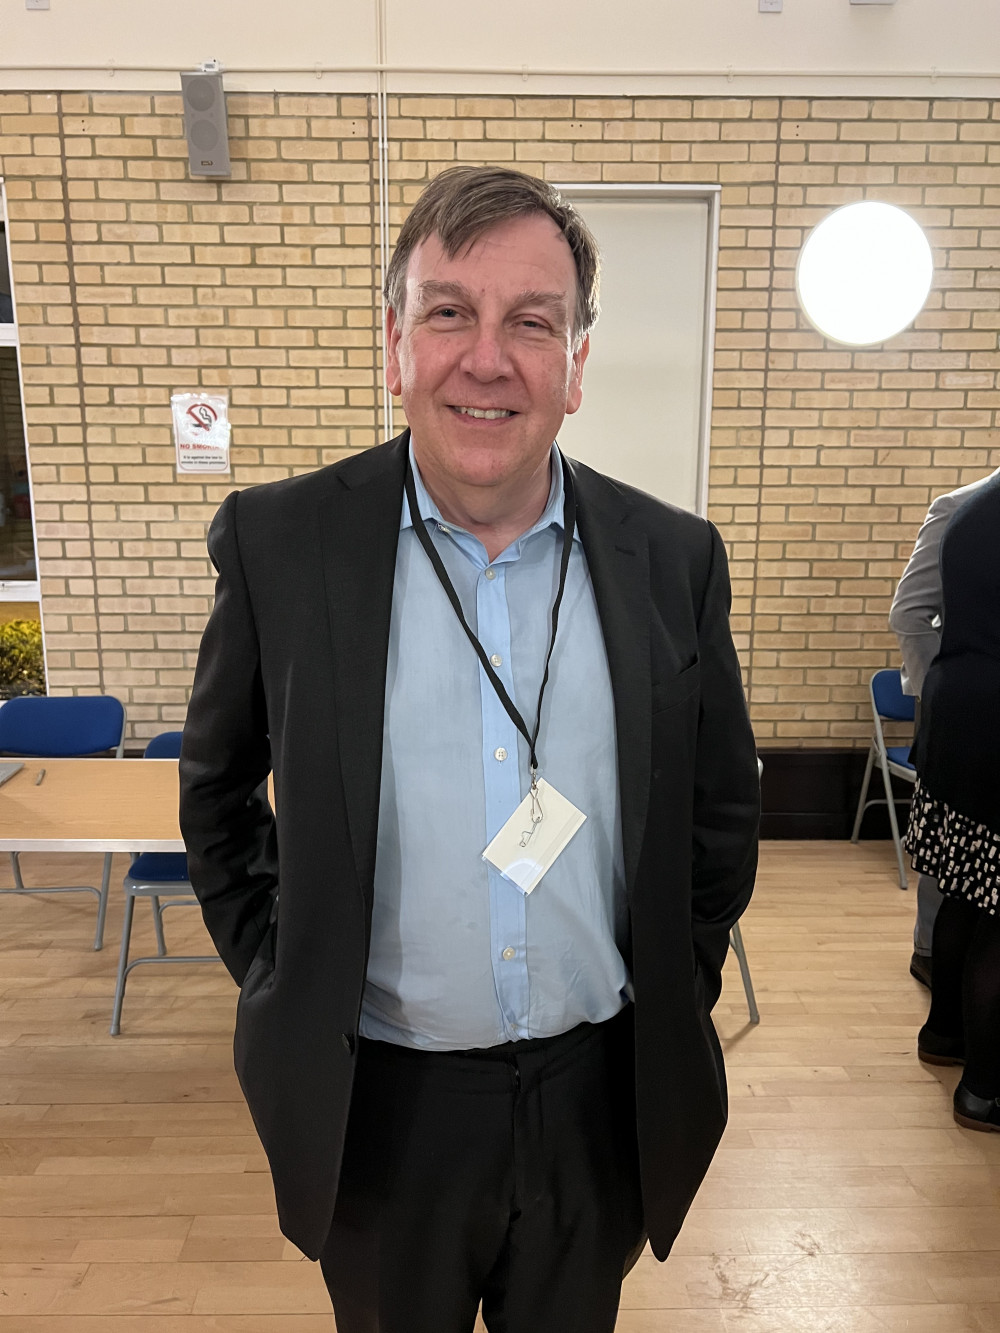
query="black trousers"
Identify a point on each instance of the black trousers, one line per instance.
(506, 1176)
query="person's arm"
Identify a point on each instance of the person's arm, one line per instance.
(727, 785)
(226, 820)
(918, 601)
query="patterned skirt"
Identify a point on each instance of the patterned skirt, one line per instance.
(963, 856)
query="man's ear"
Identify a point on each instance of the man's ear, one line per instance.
(574, 390)
(393, 332)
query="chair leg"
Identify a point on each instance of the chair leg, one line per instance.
(864, 794)
(15, 865)
(102, 905)
(116, 1013)
(890, 801)
(736, 942)
(161, 944)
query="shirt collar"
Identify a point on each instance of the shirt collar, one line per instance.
(551, 516)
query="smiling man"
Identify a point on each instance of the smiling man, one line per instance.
(485, 351)
(516, 799)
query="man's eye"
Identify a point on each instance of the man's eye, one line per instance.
(446, 312)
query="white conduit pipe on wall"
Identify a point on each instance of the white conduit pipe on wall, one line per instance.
(383, 204)
(525, 72)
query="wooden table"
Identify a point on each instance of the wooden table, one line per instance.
(91, 805)
(98, 805)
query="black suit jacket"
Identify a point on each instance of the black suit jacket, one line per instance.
(291, 678)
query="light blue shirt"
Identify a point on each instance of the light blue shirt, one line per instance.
(459, 957)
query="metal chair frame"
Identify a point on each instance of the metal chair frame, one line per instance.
(736, 944)
(102, 892)
(152, 890)
(888, 767)
(155, 891)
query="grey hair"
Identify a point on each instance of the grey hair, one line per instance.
(463, 203)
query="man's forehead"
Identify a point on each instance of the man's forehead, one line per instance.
(527, 238)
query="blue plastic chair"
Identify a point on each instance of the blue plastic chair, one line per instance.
(889, 704)
(151, 875)
(71, 727)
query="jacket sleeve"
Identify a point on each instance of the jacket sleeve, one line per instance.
(726, 787)
(916, 608)
(226, 818)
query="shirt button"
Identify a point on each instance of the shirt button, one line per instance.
(442, 528)
(491, 573)
(500, 754)
(507, 955)
(496, 659)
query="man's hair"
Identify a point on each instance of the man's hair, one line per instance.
(463, 203)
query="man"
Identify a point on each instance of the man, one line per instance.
(916, 619)
(474, 1084)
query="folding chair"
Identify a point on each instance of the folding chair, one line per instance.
(889, 704)
(151, 875)
(47, 727)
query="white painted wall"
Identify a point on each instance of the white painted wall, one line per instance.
(814, 46)
(693, 35)
(266, 34)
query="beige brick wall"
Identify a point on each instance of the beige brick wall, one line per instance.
(134, 281)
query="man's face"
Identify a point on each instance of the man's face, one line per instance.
(489, 330)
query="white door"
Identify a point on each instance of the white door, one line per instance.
(647, 382)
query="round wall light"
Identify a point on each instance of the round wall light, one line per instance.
(864, 273)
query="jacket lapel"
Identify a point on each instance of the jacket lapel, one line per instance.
(359, 533)
(618, 558)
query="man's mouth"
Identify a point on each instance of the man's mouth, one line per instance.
(484, 413)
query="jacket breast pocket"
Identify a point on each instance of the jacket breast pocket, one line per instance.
(676, 689)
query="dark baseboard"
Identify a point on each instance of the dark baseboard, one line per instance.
(814, 794)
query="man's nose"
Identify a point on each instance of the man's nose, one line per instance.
(487, 355)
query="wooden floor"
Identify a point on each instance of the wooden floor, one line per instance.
(134, 1197)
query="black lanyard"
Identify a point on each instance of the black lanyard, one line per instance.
(569, 527)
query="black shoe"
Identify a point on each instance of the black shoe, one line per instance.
(920, 968)
(934, 1049)
(976, 1112)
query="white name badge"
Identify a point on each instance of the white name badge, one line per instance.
(534, 836)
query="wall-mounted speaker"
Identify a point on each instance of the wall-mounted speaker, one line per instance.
(205, 123)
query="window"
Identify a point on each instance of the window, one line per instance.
(22, 669)
(18, 570)
(17, 545)
(6, 301)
